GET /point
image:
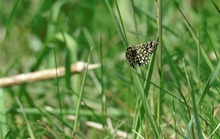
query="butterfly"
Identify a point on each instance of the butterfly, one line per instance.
(140, 54)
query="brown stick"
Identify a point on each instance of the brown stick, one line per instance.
(44, 75)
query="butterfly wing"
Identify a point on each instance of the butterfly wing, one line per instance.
(140, 54)
(144, 52)
(131, 54)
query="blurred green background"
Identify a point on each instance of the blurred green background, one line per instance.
(32, 39)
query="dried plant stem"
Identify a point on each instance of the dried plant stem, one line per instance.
(44, 75)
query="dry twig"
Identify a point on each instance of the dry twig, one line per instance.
(44, 75)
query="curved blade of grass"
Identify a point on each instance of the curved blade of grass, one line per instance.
(71, 55)
(80, 93)
(7, 134)
(65, 37)
(189, 126)
(56, 8)
(30, 131)
(215, 6)
(209, 83)
(116, 22)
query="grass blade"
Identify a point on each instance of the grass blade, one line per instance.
(216, 6)
(80, 94)
(3, 122)
(116, 22)
(30, 131)
(145, 104)
(209, 83)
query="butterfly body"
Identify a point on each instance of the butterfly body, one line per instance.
(140, 54)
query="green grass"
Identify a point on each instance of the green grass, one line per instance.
(176, 95)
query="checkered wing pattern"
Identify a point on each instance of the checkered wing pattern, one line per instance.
(140, 54)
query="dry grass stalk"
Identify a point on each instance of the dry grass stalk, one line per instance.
(44, 74)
